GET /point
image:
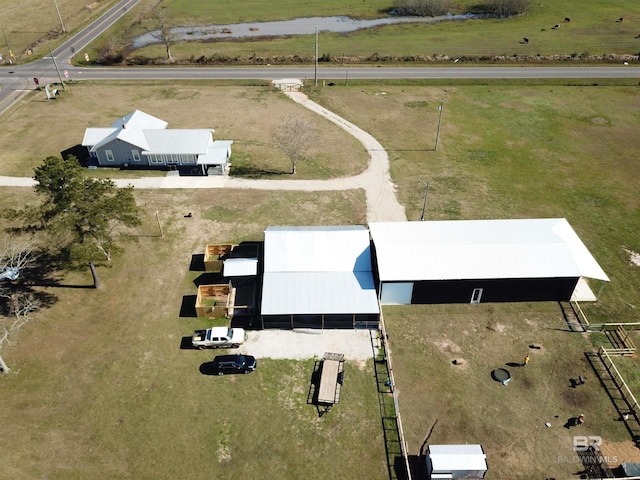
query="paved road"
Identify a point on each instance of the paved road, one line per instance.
(17, 80)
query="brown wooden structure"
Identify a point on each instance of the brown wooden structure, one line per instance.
(215, 301)
(214, 256)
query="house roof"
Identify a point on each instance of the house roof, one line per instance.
(218, 153)
(452, 458)
(138, 120)
(315, 270)
(193, 141)
(151, 136)
(481, 249)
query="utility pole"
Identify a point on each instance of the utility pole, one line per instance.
(64, 30)
(64, 87)
(316, 59)
(424, 204)
(439, 123)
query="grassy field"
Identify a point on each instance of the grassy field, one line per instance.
(33, 24)
(445, 403)
(101, 386)
(247, 115)
(591, 31)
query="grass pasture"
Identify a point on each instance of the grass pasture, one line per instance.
(101, 386)
(448, 403)
(592, 31)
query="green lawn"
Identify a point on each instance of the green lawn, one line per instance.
(592, 31)
(101, 387)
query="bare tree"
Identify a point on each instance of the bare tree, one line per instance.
(507, 8)
(423, 8)
(16, 256)
(294, 138)
(18, 310)
(163, 34)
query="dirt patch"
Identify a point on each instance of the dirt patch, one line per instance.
(634, 257)
(447, 346)
(618, 452)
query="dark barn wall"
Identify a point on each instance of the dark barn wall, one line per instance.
(494, 290)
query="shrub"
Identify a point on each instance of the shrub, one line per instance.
(422, 8)
(506, 8)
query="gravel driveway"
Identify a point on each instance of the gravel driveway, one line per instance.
(301, 344)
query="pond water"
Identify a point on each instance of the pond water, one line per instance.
(298, 26)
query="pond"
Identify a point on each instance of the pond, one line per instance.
(298, 26)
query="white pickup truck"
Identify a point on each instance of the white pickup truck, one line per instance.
(218, 337)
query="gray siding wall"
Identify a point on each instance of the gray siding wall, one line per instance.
(121, 154)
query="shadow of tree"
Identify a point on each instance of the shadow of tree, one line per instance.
(248, 171)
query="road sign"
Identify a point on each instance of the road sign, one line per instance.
(66, 74)
(36, 81)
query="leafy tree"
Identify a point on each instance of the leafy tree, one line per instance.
(294, 138)
(84, 215)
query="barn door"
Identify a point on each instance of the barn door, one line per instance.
(476, 295)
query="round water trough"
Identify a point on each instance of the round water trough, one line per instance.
(501, 375)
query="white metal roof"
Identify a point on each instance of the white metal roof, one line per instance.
(138, 120)
(218, 153)
(300, 293)
(194, 141)
(92, 136)
(457, 457)
(317, 249)
(481, 249)
(240, 267)
(314, 270)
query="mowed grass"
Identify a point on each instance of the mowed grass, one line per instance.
(35, 24)
(101, 388)
(247, 115)
(443, 403)
(504, 152)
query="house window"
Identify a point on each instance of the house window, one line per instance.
(156, 160)
(187, 158)
(109, 155)
(136, 155)
(172, 159)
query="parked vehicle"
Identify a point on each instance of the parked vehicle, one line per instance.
(218, 337)
(223, 364)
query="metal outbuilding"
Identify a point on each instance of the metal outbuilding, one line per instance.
(318, 277)
(473, 261)
(456, 461)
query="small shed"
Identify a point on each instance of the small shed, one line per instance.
(456, 461)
